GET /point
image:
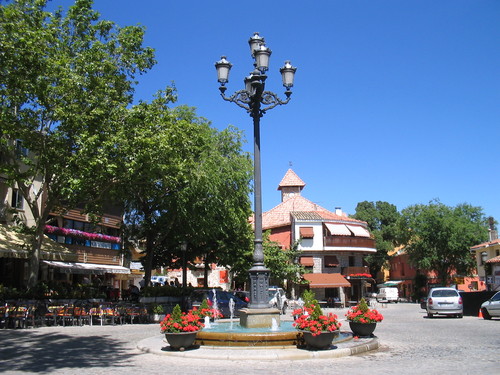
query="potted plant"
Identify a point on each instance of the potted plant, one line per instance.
(206, 311)
(158, 313)
(362, 319)
(318, 330)
(180, 328)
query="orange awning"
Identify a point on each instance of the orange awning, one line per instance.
(326, 280)
(307, 261)
(306, 232)
(331, 261)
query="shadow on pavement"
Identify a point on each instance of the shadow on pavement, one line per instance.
(29, 351)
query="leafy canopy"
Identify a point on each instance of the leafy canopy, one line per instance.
(439, 237)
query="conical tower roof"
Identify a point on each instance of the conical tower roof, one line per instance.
(291, 179)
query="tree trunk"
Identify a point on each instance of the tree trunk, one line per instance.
(35, 255)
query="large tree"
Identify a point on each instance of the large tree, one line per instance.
(183, 181)
(283, 263)
(65, 78)
(439, 237)
(382, 219)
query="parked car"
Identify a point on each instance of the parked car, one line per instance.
(423, 303)
(388, 294)
(243, 295)
(277, 298)
(491, 307)
(444, 301)
(222, 297)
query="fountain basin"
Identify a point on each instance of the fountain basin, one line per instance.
(210, 338)
(224, 334)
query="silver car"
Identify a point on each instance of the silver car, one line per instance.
(491, 307)
(444, 301)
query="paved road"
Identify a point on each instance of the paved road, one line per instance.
(410, 344)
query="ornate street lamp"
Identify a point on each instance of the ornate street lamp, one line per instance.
(256, 101)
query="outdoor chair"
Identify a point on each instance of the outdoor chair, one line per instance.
(82, 315)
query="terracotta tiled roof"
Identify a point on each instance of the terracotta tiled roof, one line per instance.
(298, 205)
(291, 179)
(494, 260)
(486, 244)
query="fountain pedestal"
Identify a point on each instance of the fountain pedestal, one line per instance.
(259, 318)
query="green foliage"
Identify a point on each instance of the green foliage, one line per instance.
(204, 304)
(309, 298)
(182, 180)
(382, 219)
(439, 237)
(176, 313)
(157, 309)
(363, 306)
(65, 80)
(282, 262)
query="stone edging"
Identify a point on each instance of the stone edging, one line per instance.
(154, 345)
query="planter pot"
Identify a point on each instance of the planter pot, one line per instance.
(180, 341)
(321, 341)
(157, 318)
(362, 329)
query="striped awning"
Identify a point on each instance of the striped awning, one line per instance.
(358, 231)
(15, 245)
(87, 268)
(338, 229)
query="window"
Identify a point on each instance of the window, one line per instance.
(352, 261)
(17, 199)
(20, 149)
(484, 257)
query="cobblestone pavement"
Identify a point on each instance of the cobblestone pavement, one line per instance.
(409, 344)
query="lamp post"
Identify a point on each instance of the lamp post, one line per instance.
(256, 101)
(183, 245)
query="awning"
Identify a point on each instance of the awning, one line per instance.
(326, 280)
(331, 261)
(14, 245)
(338, 229)
(306, 232)
(358, 231)
(307, 261)
(87, 268)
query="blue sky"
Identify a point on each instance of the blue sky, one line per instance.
(395, 101)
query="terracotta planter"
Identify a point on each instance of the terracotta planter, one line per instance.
(320, 342)
(362, 329)
(180, 341)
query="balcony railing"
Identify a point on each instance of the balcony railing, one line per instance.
(344, 241)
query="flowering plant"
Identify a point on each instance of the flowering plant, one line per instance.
(310, 318)
(361, 313)
(360, 275)
(49, 229)
(180, 322)
(206, 310)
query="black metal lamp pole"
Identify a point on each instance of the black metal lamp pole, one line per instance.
(183, 246)
(256, 101)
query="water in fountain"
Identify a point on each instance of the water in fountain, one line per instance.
(231, 310)
(274, 327)
(214, 303)
(207, 322)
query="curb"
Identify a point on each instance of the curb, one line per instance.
(155, 345)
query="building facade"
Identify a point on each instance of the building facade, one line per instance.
(333, 245)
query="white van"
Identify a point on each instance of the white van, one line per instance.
(388, 295)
